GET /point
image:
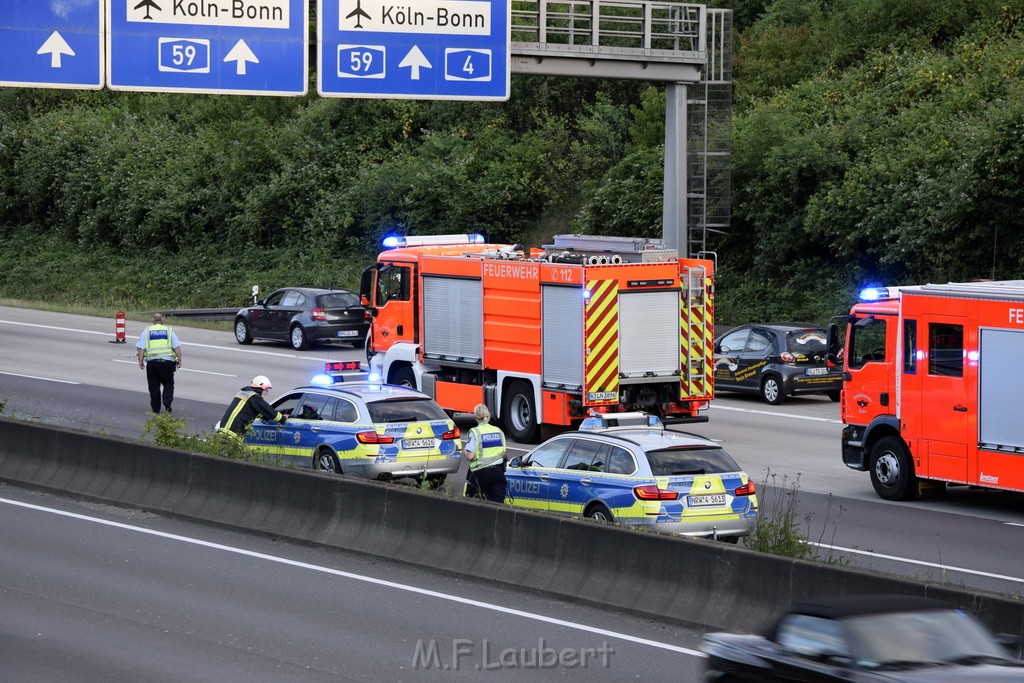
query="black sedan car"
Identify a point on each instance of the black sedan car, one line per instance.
(866, 639)
(302, 316)
(776, 361)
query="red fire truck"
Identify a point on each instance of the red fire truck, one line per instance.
(934, 387)
(544, 335)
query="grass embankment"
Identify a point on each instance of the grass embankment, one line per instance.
(49, 274)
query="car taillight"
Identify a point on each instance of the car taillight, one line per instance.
(787, 357)
(319, 314)
(652, 492)
(374, 437)
(747, 489)
(453, 433)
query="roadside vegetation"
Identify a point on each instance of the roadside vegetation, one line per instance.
(874, 141)
(778, 529)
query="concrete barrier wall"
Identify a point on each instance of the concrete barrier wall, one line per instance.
(695, 581)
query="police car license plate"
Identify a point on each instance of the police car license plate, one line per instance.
(712, 499)
(348, 333)
(418, 443)
(816, 371)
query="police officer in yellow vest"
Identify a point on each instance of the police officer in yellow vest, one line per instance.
(485, 451)
(159, 352)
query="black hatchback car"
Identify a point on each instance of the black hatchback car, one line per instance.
(302, 316)
(776, 361)
(866, 639)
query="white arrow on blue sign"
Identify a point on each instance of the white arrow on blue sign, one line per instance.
(239, 47)
(51, 44)
(414, 49)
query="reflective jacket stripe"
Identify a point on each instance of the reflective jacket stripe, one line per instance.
(491, 455)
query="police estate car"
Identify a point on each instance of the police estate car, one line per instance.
(629, 469)
(362, 428)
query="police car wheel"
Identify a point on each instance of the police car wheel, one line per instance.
(326, 462)
(600, 513)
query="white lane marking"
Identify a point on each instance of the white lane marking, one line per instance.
(942, 567)
(1012, 524)
(367, 579)
(45, 379)
(184, 343)
(54, 327)
(769, 412)
(201, 372)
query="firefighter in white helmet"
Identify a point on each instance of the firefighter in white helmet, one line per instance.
(248, 404)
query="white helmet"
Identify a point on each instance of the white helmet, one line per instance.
(260, 382)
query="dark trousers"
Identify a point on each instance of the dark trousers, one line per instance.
(487, 483)
(160, 373)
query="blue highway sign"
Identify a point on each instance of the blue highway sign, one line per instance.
(414, 49)
(240, 47)
(51, 44)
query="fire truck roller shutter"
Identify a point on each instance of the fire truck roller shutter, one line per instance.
(453, 318)
(562, 335)
(649, 333)
(1001, 390)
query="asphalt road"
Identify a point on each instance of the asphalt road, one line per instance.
(61, 369)
(96, 593)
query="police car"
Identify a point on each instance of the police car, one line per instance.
(343, 422)
(627, 468)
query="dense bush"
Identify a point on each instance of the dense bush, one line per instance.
(874, 141)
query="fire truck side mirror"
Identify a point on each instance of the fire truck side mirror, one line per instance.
(364, 300)
(834, 347)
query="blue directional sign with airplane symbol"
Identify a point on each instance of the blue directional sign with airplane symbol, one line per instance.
(241, 47)
(414, 49)
(51, 44)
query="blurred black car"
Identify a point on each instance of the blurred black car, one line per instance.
(302, 316)
(776, 361)
(866, 639)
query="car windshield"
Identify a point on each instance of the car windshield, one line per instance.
(908, 639)
(338, 300)
(810, 342)
(701, 460)
(405, 410)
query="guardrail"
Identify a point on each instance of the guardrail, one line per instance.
(685, 580)
(203, 313)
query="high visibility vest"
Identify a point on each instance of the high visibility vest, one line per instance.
(489, 447)
(158, 343)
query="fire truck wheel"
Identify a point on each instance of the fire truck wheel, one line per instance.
(771, 390)
(519, 413)
(404, 376)
(892, 471)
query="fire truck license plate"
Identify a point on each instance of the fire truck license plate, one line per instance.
(418, 443)
(816, 371)
(348, 333)
(713, 499)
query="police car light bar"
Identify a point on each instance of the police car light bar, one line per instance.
(397, 241)
(634, 419)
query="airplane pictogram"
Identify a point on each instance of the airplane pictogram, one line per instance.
(148, 4)
(359, 13)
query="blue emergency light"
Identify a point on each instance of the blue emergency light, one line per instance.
(397, 241)
(874, 293)
(605, 420)
(321, 380)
